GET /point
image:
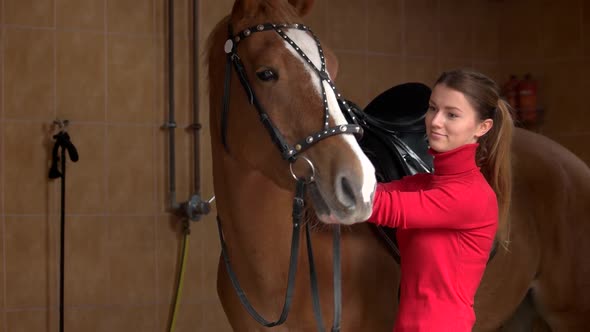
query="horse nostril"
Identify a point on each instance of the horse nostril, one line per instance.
(347, 196)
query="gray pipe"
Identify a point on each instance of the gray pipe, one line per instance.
(171, 125)
(196, 125)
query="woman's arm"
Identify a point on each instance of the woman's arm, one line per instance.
(454, 205)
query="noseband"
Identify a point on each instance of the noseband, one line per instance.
(289, 153)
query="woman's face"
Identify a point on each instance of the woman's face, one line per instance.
(451, 121)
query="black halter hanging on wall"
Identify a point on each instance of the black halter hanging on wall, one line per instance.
(288, 152)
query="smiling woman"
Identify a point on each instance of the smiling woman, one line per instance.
(447, 221)
(451, 121)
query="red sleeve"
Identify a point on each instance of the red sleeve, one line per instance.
(407, 183)
(452, 205)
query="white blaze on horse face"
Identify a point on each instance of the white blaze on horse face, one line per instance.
(310, 48)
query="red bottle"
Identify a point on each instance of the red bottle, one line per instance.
(510, 91)
(527, 99)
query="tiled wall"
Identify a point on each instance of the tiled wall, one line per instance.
(381, 43)
(101, 64)
(551, 40)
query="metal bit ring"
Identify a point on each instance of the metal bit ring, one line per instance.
(311, 178)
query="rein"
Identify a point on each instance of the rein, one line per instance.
(290, 154)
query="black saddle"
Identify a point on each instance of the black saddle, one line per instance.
(395, 139)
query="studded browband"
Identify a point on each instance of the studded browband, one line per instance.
(288, 152)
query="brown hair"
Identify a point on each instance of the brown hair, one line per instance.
(493, 153)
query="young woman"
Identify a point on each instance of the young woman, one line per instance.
(447, 221)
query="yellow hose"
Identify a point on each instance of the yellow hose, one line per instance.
(180, 278)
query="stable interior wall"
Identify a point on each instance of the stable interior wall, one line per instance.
(101, 64)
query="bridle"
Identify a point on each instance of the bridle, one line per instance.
(289, 153)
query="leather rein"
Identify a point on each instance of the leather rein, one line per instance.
(289, 153)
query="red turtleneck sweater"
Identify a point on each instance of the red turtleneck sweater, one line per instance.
(446, 226)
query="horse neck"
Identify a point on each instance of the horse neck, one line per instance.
(255, 214)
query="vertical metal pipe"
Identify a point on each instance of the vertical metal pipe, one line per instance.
(62, 239)
(171, 121)
(196, 99)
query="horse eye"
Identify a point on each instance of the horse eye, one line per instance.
(267, 75)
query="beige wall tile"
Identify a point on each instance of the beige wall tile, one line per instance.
(421, 27)
(560, 85)
(421, 69)
(190, 317)
(88, 319)
(86, 179)
(125, 319)
(352, 77)
(81, 70)
(31, 261)
(585, 10)
(384, 72)
(131, 177)
(81, 14)
(31, 320)
(38, 13)
(29, 74)
(2, 168)
(456, 29)
(492, 70)
(385, 27)
(112, 319)
(131, 75)
(132, 260)
(183, 13)
(316, 19)
(347, 25)
(486, 37)
(130, 16)
(26, 157)
(521, 38)
(559, 25)
(87, 274)
(445, 64)
(216, 10)
(2, 270)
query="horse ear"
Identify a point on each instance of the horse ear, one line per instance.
(302, 6)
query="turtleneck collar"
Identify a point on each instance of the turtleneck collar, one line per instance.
(458, 160)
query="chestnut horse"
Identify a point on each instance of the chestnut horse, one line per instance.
(277, 87)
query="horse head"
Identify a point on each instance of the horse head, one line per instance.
(282, 84)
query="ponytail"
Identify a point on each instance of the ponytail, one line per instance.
(493, 157)
(493, 152)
